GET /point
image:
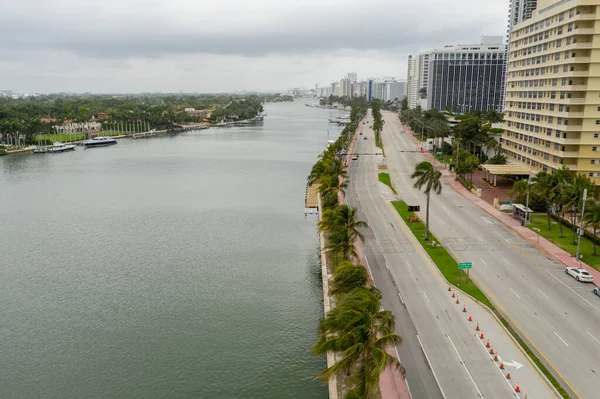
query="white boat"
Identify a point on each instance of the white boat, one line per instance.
(100, 141)
(221, 124)
(340, 119)
(61, 147)
(39, 150)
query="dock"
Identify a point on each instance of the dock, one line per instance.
(311, 200)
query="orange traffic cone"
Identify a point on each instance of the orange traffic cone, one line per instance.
(470, 317)
(449, 289)
(453, 296)
(496, 357)
(464, 308)
(477, 328)
(517, 388)
(487, 344)
(501, 365)
(457, 301)
(508, 375)
(492, 351)
(481, 336)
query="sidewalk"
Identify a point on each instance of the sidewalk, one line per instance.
(560, 255)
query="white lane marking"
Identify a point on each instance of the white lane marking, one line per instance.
(480, 239)
(406, 380)
(408, 264)
(543, 293)
(557, 279)
(501, 236)
(461, 222)
(368, 267)
(482, 261)
(563, 341)
(431, 367)
(594, 338)
(386, 265)
(507, 262)
(465, 366)
(440, 219)
(498, 368)
(425, 295)
(444, 208)
(517, 295)
(401, 299)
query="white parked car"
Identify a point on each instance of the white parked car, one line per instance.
(579, 274)
(597, 291)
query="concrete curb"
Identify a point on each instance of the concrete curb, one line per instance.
(327, 302)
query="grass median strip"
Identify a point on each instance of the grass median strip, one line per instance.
(385, 179)
(448, 266)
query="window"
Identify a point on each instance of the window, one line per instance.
(596, 135)
(597, 122)
(593, 162)
(591, 174)
(594, 148)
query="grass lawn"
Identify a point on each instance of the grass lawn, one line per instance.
(385, 179)
(449, 268)
(442, 259)
(566, 242)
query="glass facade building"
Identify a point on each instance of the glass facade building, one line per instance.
(467, 77)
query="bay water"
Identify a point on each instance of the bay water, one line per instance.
(171, 267)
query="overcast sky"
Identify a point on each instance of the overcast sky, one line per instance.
(224, 45)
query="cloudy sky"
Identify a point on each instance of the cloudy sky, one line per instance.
(224, 45)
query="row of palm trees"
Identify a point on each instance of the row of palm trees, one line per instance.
(561, 194)
(377, 120)
(357, 330)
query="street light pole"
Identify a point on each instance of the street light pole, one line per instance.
(581, 222)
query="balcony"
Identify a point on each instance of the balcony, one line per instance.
(568, 154)
(573, 100)
(585, 17)
(580, 60)
(581, 31)
(575, 88)
(580, 45)
(571, 128)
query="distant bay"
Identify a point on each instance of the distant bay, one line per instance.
(171, 267)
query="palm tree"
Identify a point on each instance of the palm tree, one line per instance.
(592, 218)
(359, 331)
(350, 222)
(347, 277)
(547, 186)
(573, 196)
(429, 177)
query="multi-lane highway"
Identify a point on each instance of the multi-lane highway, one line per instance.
(557, 315)
(442, 353)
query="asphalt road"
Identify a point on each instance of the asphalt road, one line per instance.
(435, 331)
(559, 316)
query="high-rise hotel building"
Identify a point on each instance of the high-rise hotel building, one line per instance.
(552, 115)
(518, 11)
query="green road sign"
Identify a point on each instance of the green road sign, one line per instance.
(465, 265)
(438, 153)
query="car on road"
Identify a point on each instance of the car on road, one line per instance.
(354, 156)
(360, 133)
(364, 138)
(579, 274)
(597, 291)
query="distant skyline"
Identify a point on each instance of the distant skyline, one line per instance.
(120, 46)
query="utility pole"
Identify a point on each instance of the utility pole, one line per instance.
(580, 231)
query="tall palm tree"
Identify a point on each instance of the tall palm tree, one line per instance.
(548, 187)
(347, 277)
(349, 220)
(592, 218)
(573, 196)
(429, 177)
(359, 331)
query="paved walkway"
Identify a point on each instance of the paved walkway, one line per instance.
(559, 254)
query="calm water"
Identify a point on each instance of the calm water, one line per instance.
(173, 267)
